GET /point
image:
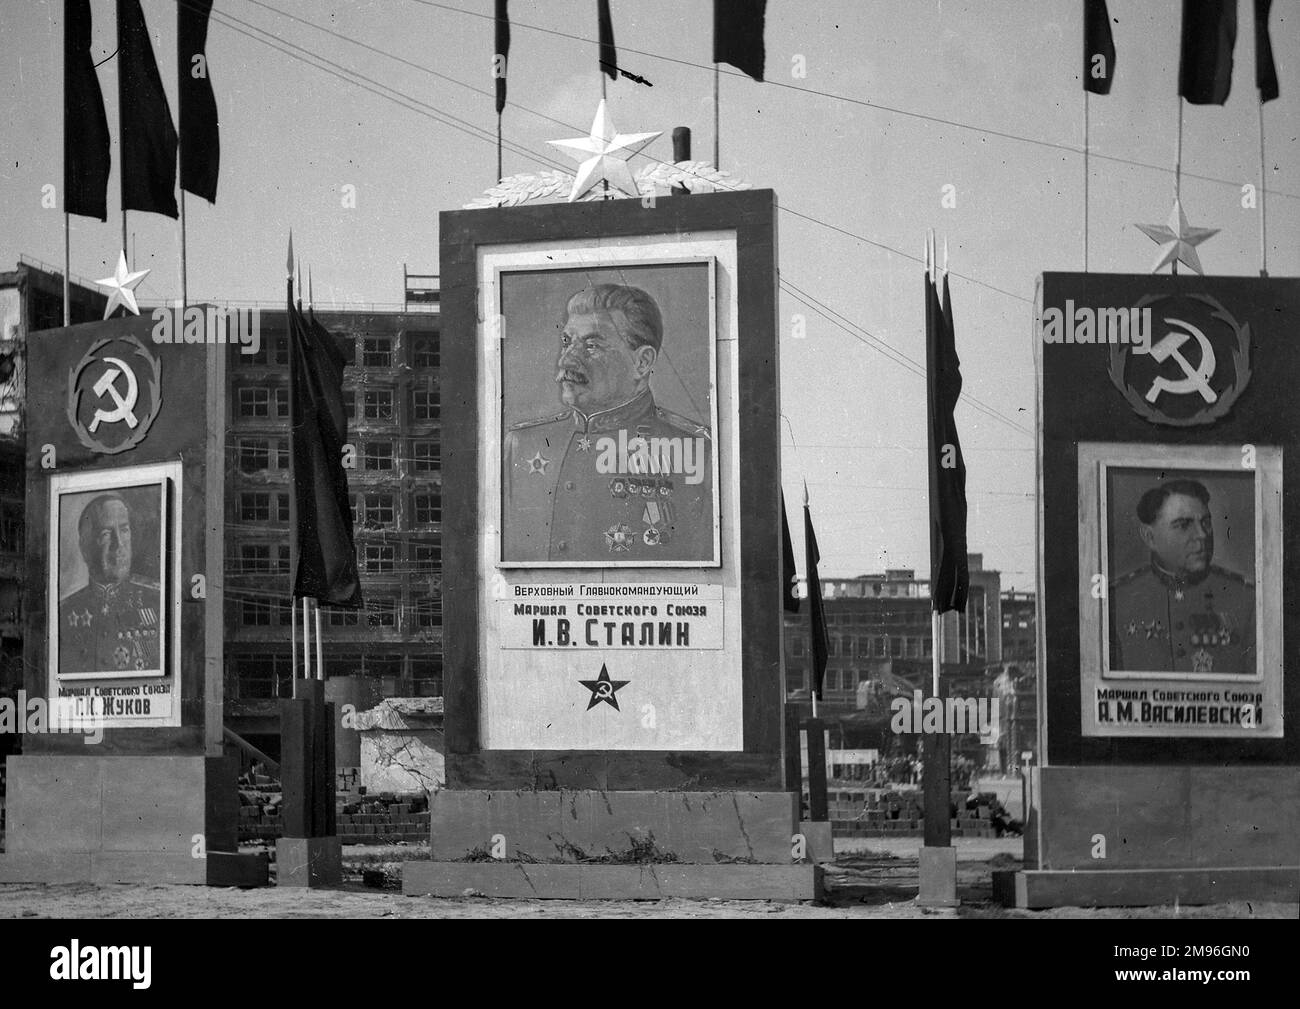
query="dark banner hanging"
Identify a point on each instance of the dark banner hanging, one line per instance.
(86, 157)
(147, 135)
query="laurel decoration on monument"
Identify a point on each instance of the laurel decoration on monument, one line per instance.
(653, 180)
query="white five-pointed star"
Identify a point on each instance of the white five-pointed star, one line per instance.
(603, 155)
(1177, 239)
(538, 463)
(122, 287)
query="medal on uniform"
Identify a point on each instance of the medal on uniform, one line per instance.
(1202, 661)
(584, 444)
(618, 488)
(538, 463)
(618, 537)
(654, 514)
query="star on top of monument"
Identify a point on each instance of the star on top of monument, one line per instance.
(122, 287)
(1178, 240)
(603, 155)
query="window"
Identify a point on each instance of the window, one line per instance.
(426, 455)
(378, 455)
(381, 665)
(913, 648)
(380, 558)
(425, 557)
(379, 404)
(428, 612)
(426, 675)
(850, 679)
(282, 558)
(281, 453)
(255, 612)
(263, 676)
(254, 401)
(427, 508)
(377, 352)
(282, 507)
(342, 618)
(11, 526)
(350, 403)
(254, 507)
(424, 404)
(798, 647)
(254, 454)
(794, 679)
(254, 558)
(282, 401)
(896, 647)
(377, 510)
(425, 350)
(882, 647)
(381, 613)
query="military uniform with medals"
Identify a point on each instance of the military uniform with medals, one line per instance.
(107, 628)
(560, 507)
(1161, 622)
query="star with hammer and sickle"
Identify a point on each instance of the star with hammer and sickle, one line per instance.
(538, 463)
(603, 156)
(1178, 240)
(603, 689)
(121, 287)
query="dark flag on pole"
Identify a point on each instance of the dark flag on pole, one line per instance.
(200, 140)
(322, 551)
(949, 572)
(1098, 48)
(738, 35)
(86, 157)
(608, 54)
(501, 52)
(1265, 68)
(1205, 63)
(790, 577)
(148, 137)
(816, 612)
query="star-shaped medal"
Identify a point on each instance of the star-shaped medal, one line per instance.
(584, 444)
(603, 155)
(603, 689)
(1178, 240)
(618, 537)
(122, 287)
(538, 463)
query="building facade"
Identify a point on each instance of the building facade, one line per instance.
(393, 400)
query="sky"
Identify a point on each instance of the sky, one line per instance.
(871, 110)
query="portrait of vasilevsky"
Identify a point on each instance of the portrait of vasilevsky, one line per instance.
(613, 477)
(1179, 611)
(111, 624)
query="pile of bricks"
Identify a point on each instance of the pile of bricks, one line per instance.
(384, 819)
(259, 811)
(883, 813)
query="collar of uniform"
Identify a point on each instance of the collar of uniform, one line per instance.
(1174, 581)
(637, 408)
(109, 589)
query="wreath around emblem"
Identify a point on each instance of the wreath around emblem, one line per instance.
(74, 396)
(1119, 355)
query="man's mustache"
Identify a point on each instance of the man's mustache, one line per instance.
(569, 375)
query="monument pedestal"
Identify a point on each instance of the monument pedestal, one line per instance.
(622, 845)
(1134, 836)
(124, 819)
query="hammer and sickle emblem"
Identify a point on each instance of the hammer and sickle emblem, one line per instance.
(107, 386)
(604, 690)
(1194, 379)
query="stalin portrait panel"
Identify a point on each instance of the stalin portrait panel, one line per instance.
(109, 564)
(1181, 550)
(608, 417)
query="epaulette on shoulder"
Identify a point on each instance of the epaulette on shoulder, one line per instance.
(524, 424)
(1125, 579)
(1230, 576)
(682, 423)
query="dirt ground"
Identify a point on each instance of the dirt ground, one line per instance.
(871, 878)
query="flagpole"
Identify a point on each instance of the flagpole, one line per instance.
(1085, 177)
(1263, 185)
(67, 267)
(293, 638)
(1178, 169)
(184, 287)
(306, 640)
(717, 118)
(498, 146)
(320, 663)
(126, 248)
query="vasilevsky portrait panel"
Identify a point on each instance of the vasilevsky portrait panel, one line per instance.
(1180, 589)
(608, 416)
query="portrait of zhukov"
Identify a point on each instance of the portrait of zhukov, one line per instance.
(612, 477)
(111, 624)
